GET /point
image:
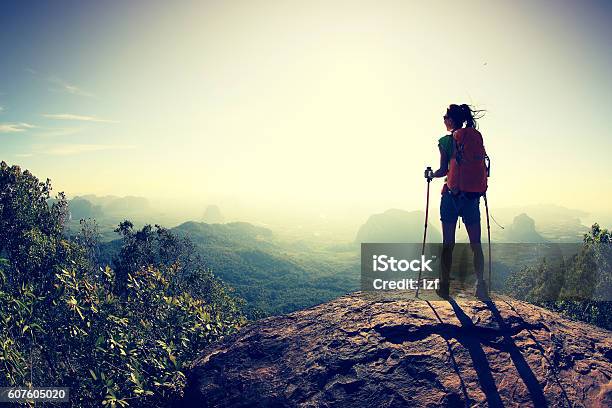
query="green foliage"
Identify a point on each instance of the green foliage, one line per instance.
(30, 230)
(66, 322)
(163, 248)
(88, 238)
(579, 288)
(134, 349)
(140, 344)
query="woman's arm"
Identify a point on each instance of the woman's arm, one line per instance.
(441, 172)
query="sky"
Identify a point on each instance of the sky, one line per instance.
(324, 106)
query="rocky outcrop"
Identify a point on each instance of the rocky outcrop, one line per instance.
(362, 350)
(212, 215)
(523, 230)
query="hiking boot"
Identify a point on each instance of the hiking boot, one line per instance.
(482, 291)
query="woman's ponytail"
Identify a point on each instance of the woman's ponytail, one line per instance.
(461, 114)
(468, 115)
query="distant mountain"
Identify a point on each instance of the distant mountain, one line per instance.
(118, 205)
(81, 208)
(212, 215)
(397, 226)
(555, 223)
(551, 213)
(522, 229)
(102, 201)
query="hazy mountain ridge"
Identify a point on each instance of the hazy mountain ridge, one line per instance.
(554, 223)
(116, 204)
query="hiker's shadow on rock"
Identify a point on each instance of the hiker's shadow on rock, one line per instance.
(522, 366)
(473, 337)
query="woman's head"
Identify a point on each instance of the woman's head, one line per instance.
(458, 115)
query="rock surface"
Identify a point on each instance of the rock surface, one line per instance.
(365, 351)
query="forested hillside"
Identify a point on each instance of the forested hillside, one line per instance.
(273, 277)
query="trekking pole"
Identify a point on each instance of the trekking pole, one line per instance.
(489, 239)
(428, 172)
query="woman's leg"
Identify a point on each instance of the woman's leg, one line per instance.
(448, 244)
(474, 232)
(448, 215)
(448, 232)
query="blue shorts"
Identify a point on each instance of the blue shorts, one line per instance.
(454, 206)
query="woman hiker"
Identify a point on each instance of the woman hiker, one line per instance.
(462, 161)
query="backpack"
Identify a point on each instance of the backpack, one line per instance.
(468, 170)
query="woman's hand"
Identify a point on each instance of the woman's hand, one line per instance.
(429, 174)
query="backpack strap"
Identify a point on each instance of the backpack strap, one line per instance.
(458, 148)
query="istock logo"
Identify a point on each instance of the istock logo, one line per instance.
(383, 263)
(398, 267)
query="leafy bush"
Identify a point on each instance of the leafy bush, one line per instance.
(66, 322)
(580, 288)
